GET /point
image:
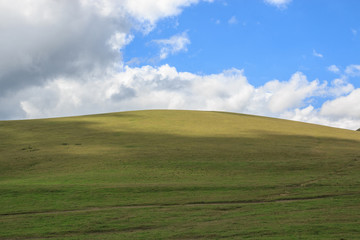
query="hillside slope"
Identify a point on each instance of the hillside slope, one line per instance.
(178, 175)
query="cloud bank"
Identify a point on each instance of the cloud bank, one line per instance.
(164, 87)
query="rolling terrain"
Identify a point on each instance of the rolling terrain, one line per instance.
(166, 174)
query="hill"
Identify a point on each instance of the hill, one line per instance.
(177, 175)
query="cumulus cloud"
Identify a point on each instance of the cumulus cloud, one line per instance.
(339, 87)
(164, 87)
(173, 45)
(353, 70)
(278, 3)
(138, 88)
(342, 112)
(281, 96)
(151, 11)
(334, 69)
(343, 107)
(44, 40)
(119, 40)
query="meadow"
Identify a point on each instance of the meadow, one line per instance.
(166, 174)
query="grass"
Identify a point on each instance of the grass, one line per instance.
(177, 175)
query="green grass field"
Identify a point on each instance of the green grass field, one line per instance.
(178, 175)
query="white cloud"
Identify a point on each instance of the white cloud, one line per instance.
(278, 3)
(173, 45)
(165, 88)
(304, 114)
(119, 40)
(151, 11)
(43, 40)
(286, 95)
(353, 70)
(311, 115)
(233, 20)
(334, 69)
(138, 88)
(343, 107)
(342, 112)
(316, 54)
(339, 87)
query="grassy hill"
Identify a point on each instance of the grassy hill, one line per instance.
(178, 175)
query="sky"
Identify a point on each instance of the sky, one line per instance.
(290, 59)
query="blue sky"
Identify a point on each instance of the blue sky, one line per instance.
(266, 41)
(291, 59)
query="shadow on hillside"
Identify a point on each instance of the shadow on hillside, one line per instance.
(55, 132)
(88, 140)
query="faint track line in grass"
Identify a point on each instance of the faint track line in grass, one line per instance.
(336, 172)
(77, 233)
(190, 204)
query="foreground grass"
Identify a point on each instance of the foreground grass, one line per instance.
(178, 175)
